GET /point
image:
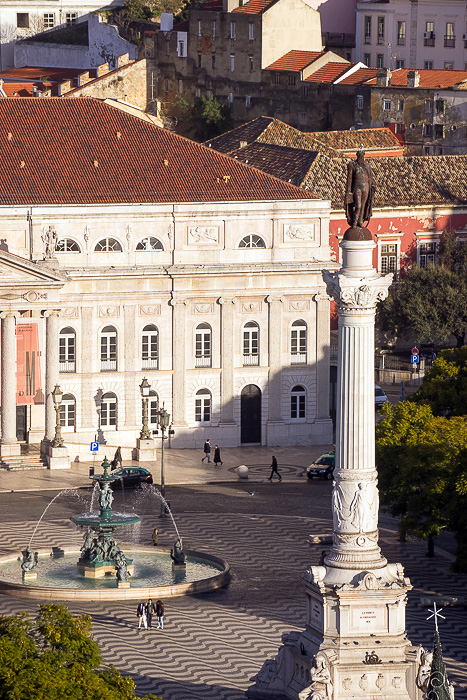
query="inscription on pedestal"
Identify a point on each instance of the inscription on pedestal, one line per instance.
(368, 619)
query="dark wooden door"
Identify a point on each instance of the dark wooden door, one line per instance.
(21, 423)
(251, 414)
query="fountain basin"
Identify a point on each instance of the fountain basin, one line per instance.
(147, 560)
(114, 520)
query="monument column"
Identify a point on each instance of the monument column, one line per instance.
(323, 324)
(52, 376)
(179, 362)
(227, 360)
(9, 446)
(275, 362)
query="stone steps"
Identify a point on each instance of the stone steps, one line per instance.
(24, 462)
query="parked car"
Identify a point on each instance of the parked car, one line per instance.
(324, 466)
(380, 397)
(130, 477)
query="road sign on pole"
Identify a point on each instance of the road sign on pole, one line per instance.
(94, 446)
(415, 351)
(414, 359)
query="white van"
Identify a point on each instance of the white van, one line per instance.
(380, 397)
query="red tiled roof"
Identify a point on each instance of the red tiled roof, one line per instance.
(255, 7)
(380, 138)
(428, 78)
(40, 73)
(23, 89)
(295, 60)
(328, 73)
(359, 76)
(69, 151)
(289, 164)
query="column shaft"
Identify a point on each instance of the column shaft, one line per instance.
(52, 376)
(8, 368)
(275, 358)
(227, 360)
(322, 355)
(179, 363)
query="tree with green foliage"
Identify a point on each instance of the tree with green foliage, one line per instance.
(53, 657)
(444, 387)
(203, 118)
(422, 472)
(430, 303)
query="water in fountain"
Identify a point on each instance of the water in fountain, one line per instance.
(65, 491)
(94, 497)
(153, 490)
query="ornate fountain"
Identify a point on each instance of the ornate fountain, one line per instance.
(100, 554)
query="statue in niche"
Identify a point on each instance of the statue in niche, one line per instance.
(49, 239)
(359, 191)
(30, 560)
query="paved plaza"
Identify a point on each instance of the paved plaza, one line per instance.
(214, 643)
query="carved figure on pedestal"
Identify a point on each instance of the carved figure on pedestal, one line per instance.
(338, 503)
(424, 670)
(272, 674)
(30, 559)
(359, 191)
(122, 571)
(87, 545)
(321, 687)
(49, 239)
(177, 554)
(106, 497)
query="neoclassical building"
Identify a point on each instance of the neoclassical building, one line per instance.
(128, 252)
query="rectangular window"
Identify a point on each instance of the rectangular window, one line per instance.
(167, 48)
(49, 20)
(231, 98)
(400, 105)
(199, 59)
(367, 59)
(427, 254)
(440, 106)
(449, 37)
(250, 63)
(297, 406)
(277, 79)
(199, 27)
(214, 29)
(203, 347)
(428, 65)
(251, 31)
(203, 410)
(448, 65)
(232, 30)
(401, 33)
(71, 17)
(292, 80)
(179, 86)
(298, 345)
(359, 101)
(428, 106)
(427, 130)
(387, 105)
(379, 60)
(380, 30)
(251, 346)
(400, 63)
(197, 92)
(248, 101)
(367, 25)
(167, 85)
(66, 353)
(399, 128)
(232, 62)
(213, 61)
(429, 35)
(439, 131)
(388, 257)
(22, 20)
(181, 49)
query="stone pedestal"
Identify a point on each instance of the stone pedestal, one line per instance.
(123, 584)
(179, 567)
(58, 458)
(145, 450)
(29, 575)
(354, 644)
(9, 449)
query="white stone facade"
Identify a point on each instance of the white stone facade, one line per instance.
(202, 276)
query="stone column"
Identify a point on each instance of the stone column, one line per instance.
(322, 356)
(356, 288)
(131, 359)
(179, 363)
(87, 358)
(9, 446)
(52, 376)
(227, 360)
(275, 360)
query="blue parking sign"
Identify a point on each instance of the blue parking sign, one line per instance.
(94, 446)
(414, 359)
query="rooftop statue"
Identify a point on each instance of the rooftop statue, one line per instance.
(359, 191)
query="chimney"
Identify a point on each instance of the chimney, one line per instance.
(102, 69)
(383, 77)
(413, 78)
(123, 60)
(243, 144)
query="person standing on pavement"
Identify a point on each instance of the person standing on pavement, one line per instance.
(117, 460)
(160, 614)
(217, 455)
(150, 611)
(155, 536)
(274, 469)
(141, 613)
(207, 451)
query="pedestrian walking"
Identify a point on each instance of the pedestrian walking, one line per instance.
(217, 455)
(150, 611)
(141, 613)
(117, 460)
(274, 469)
(160, 614)
(155, 536)
(207, 451)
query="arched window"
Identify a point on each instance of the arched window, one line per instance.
(252, 241)
(203, 406)
(298, 342)
(67, 245)
(250, 343)
(67, 350)
(68, 412)
(149, 243)
(298, 402)
(108, 349)
(150, 348)
(108, 245)
(109, 411)
(203, 345)
(153, 407)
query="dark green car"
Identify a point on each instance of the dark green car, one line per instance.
(324, 466)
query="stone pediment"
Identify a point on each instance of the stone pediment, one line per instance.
(18, 273)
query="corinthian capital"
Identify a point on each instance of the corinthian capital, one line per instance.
(357, 293)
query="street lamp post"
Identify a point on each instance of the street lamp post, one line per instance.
(144, 388)
(163, 420)
(57, 395)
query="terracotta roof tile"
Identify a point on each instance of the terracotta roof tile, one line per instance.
(362, 75)
(254, 7)
(23, 89)
(70, 151)
(428, 78)
(295, 60)
(379, 138)
(289, 164)
(41, 73)
(230, 141)
(328, 73)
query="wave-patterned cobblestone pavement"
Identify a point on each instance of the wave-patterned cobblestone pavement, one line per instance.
(213, 644)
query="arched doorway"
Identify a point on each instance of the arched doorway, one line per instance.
(251, 414)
